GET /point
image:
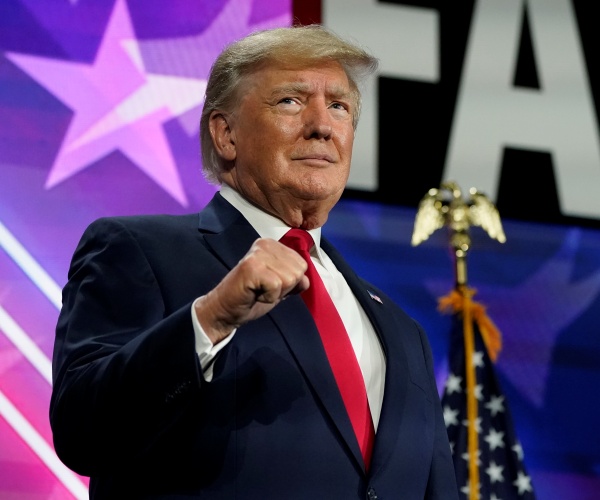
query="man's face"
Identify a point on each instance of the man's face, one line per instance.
(292, 137)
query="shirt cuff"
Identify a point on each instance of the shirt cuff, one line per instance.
(205, 349)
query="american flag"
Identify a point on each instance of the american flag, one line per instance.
(499, 457)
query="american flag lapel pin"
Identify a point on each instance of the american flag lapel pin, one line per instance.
(374, 297)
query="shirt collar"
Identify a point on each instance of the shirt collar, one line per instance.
(266, 225)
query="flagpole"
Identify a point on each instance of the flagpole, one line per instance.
(446, 207)
(471, 381)
(460, 241)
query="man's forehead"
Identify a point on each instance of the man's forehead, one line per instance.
(330, 76)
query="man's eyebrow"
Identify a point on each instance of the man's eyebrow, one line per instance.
(336, 92)
(294, 87)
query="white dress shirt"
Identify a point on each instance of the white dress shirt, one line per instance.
(362, 335)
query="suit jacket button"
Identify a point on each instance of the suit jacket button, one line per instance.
(371, 495)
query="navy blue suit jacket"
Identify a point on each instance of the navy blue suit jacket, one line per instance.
(131, 409)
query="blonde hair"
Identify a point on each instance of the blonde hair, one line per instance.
(296, 45)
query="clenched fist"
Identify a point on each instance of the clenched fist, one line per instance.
(268, 273)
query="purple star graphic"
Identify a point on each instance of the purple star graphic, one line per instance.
(117, 106)
(192, 56)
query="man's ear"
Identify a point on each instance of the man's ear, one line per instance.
(222, 135)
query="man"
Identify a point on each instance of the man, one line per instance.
(187, 364)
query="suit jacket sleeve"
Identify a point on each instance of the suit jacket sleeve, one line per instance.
(113, 330)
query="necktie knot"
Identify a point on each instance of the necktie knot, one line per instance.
(298, 239)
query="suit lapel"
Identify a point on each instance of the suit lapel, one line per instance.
(302, 337)
(230, 236)
(397, 376)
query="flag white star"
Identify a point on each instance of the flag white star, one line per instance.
(495, 439)
(453, 384)
(465, 457)
(478, 359)
(523, 483)
(495, 405)
(450, 416)
(495, 472)
(518, 450)
(477, 424)
(466, 489)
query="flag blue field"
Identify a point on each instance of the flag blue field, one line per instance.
(498, 460)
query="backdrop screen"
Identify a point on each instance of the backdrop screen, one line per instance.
(100, 103)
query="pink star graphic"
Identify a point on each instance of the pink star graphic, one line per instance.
(117, 106)
(237, 19)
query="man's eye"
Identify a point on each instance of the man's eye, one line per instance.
(287, 100)
(340, 106)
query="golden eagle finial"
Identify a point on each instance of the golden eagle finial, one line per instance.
(446, 207)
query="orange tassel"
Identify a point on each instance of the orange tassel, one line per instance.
(454, 302)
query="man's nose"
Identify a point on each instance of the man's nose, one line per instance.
(317, 121)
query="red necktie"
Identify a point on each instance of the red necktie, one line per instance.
(338, 348)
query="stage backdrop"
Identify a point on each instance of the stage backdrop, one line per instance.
(99, 107)
(498, 95)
